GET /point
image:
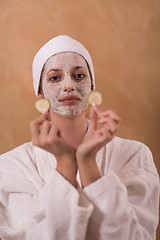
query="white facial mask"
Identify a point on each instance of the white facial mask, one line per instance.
(66, 85)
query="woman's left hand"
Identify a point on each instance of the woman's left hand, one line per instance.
(96, 138)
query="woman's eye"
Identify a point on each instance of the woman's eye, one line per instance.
(54, 78)
(80, 76)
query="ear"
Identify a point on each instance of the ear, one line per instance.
(40, 95)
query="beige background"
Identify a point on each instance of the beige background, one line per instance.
(123, 38)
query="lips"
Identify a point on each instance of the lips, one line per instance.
(69, 99)
(72, 97)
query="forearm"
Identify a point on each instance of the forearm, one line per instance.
(89, 171)
(67, 167)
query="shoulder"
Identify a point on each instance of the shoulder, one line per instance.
(127, 142)
(24, 152)
(23, 159)
(27, 161)
(127, 146)
(20, 152)
(124, 152)
(15, 161)
(26, 165)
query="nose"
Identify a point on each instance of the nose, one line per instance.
(68, 85)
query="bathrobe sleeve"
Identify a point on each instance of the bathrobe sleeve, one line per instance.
(125, 199)
(33, 210)
(66, 211)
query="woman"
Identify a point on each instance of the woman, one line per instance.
(75, 180)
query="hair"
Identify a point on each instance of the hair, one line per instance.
(40, 89)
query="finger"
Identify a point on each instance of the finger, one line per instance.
(112, 126)
(110, 123)
(97, 110)
(103, 120)
(47, 116)
(93, 119)
(54, 132)
(106, 119)
(105, 134)
(45, 128)
(112, 114)
(35, 124)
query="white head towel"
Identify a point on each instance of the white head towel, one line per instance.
(56, 45)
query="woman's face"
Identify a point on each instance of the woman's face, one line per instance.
(66, 83)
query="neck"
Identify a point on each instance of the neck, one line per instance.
(72, 128)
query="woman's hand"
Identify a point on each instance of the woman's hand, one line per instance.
(94, 140)
(48, 137)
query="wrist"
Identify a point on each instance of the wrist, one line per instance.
(86, 158)
(65, 158)
(89, 172)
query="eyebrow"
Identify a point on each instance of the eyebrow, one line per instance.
(55, 70)
(58, 70)
(78, 67)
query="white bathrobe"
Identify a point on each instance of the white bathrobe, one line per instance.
(38, 203)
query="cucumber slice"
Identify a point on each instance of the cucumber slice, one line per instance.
(42, 105)
(95, 97)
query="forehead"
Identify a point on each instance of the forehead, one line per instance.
(66, 59)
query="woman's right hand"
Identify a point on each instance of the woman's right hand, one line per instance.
(48, 137)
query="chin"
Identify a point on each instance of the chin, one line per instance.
(73, 113)
(70, 111)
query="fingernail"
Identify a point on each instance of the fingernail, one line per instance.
(102, 121)
(94, 104)
(44, 112)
